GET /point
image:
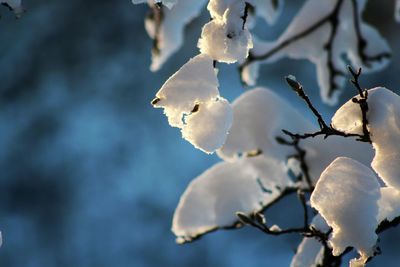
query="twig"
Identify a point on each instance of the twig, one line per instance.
(362, 102)
(300, 156)
(302, 198)
(247, 7)
(325, 130)
(333, 19)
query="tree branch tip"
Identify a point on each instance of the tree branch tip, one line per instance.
(293, 83)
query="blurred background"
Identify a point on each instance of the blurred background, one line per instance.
(91, 173)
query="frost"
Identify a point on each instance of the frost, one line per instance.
(389, 204)
(397, 11)
(213, 198)
(14, 5)
(346, 196)
(225, 38)
(322, 32)
(384, 126)
(191, 101)
(166, 27)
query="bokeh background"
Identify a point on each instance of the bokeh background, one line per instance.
(91, 173)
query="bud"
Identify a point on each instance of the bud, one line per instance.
(243, 218)
(296, 86)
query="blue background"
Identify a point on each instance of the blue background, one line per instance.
(91, 173)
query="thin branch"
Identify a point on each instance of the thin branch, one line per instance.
(257, 220)
(385, 225)
(247, 7)
(252, 57)
(362, 102)
(237, 224)
(362, 43)
(303, 201)
(325, 130)
(331, 18)
(300, 156)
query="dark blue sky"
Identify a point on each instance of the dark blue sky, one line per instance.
(90, 172)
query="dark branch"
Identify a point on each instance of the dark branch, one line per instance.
(362, 102)
(300, 156)
(326, 130)
(333, 19)
(284, 193)
(362, 43)
(298, 88)
(303, 201)
(247, 8)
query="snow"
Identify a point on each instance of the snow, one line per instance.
(195, 82)
(191, 101)
(389, 204)
(384, 126)
(213, 198)
(249, 73)
(397, 11)
(217, 8)
(275, 228)
(321, 152)
(259, 117)
(346, 196)
(310, 251)
(224, 38)
(307, 253)
(215, 42)
(313, 45)
(15, 5)
(207, 128)
(171, 31)
(167, 3)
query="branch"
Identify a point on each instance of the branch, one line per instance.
(247, 8)
(237, 224)
(362, 44)
(363, 102)
(300, 156)
(326, 130)
(331, 18)
(257, 220)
